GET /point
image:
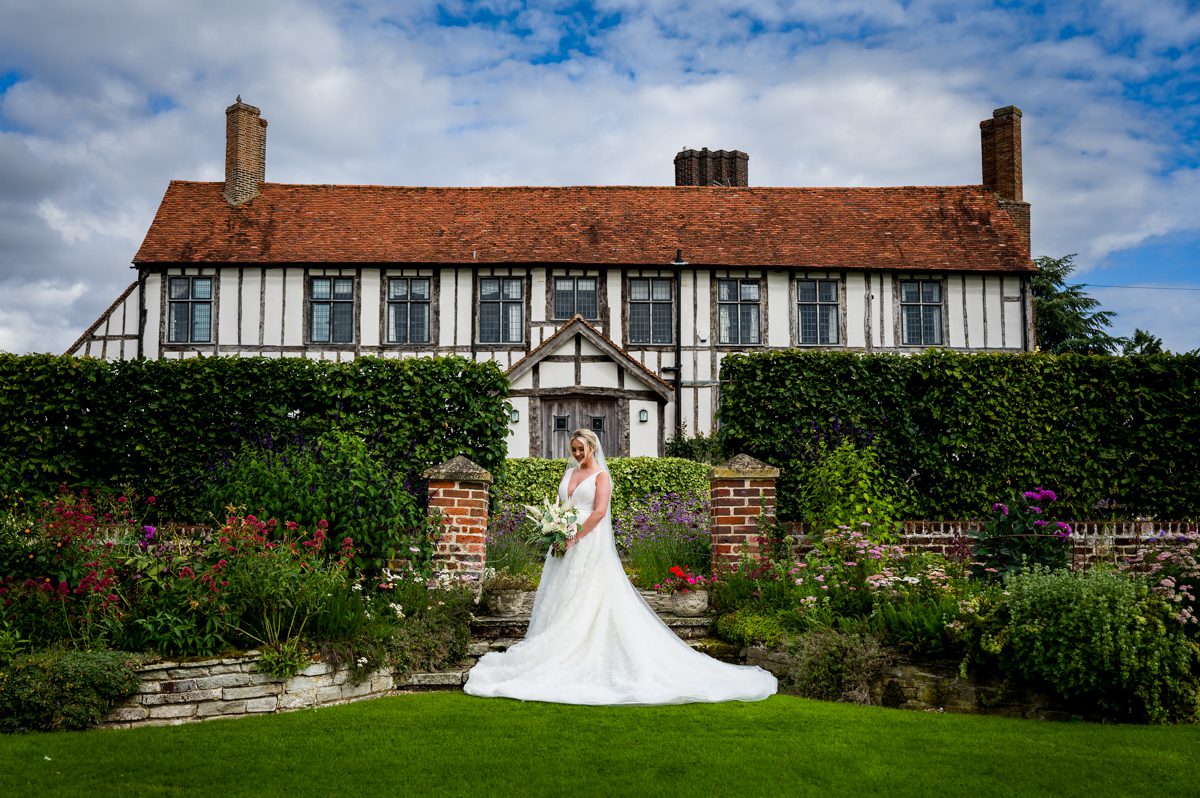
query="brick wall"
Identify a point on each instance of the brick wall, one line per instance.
(742, 495)
(458, 500)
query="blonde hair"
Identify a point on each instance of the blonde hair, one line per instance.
(588, 437)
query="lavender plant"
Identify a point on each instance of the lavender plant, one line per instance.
(663, 531)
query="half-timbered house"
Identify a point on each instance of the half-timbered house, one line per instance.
(611, 307)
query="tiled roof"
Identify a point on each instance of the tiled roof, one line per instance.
(959, 228)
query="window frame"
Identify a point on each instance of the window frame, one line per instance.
(838, 304)
(738, 303)
(552, 279)
(389, 302)
(940, 305)
(312, 302)
(521, 302)
(190, 302)
(671, 303)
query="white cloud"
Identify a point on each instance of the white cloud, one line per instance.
(819, 92)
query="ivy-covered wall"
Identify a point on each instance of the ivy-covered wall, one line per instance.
(161, 425)
(1114, 436)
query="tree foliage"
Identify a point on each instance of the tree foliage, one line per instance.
(1067, 319)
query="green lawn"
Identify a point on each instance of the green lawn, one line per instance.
(452, 744)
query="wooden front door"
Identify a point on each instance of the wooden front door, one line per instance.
(563, 415)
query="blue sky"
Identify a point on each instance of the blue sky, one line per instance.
(102, 104)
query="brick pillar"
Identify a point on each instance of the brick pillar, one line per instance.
(741, 491)
(458, 499)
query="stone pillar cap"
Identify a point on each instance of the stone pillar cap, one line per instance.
(459, 469)
(743, 466)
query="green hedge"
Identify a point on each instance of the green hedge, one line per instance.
(530, 480)
(161, 425)
(967, 429)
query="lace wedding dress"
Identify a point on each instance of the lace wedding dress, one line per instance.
(593, 639)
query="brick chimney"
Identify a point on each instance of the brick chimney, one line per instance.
(245, 152)
(1000, 138)
(712, 168)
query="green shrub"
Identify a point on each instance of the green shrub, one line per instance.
(531, 480)
(847, 486)
(701, 448)
(57, 689)
(1096, 639)
(835, 665)
(334, 478)
(749, 625)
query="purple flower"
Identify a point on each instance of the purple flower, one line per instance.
(1032, 494)
(1065, 527)
(1003, 508)
(1039, 522)
(1033, 509)
(1048, 495)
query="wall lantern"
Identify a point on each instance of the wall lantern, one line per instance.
(643, 416)
(514, 416)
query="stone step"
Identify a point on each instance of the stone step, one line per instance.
(514, 626)
(718, 649)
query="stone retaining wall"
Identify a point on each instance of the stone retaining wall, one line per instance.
(182, 692)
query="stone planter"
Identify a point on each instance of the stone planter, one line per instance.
(659, 602)
(507, 603)
(689, 604)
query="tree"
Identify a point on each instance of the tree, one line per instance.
(1067, 319)
(1142, 343)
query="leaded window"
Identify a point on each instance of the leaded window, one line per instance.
(738, 312)
(331, 310)
(408, 310)
(650, 310)
(189, 310)
(921, 312)
(501, 310)
(818, 312)
(576, 295)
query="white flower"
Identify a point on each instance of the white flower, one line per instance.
(414, 549)
(396, 608)
(361, 661)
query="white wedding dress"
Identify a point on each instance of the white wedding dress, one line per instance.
(593, 639)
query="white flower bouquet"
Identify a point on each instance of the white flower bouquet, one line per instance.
(554, 525)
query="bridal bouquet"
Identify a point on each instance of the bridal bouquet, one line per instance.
(556, 524)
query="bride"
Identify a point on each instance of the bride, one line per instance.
(592, 638)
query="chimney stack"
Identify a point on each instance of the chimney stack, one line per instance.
(1000, 138)
(245, 152)
(712, 168)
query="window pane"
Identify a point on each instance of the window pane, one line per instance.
(561, 423)
(932, 332)
(726, 291)
(564, 298)
(398, 323)
(806, 290)
(639, 290)
(829, 291)
(343, 322)
(586, 304)
(343, 288)
(512, 288)
(179, 287)
(320, 288)
(726, 334)
(201, 321)
(911, 325)
(661, 321)
(661, 290)
(931, 292)
(910, 292)
(828, 315)
(513, 329)
(320, 321)
(808, 324)
(750, 291)
(397, 288)
(597, 423)
(639, 323)
(420, 288)
(489, 288)
(202, 288)
(489, 322)
(177, 326)
(750, 324)
(418, 323)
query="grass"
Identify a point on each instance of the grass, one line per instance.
(447, 744)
